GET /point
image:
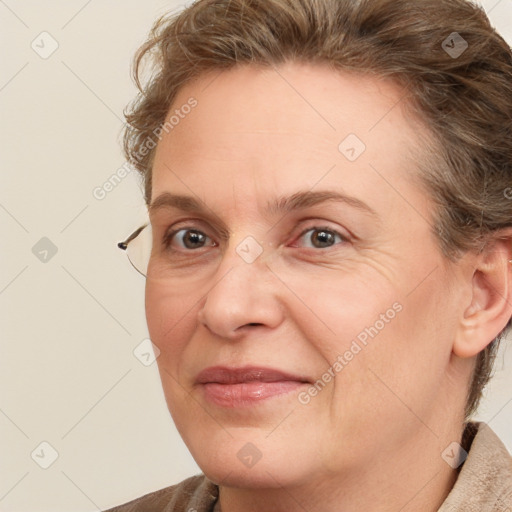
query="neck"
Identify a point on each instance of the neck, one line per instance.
(411, 478)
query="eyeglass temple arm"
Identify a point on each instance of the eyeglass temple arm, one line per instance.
(135, 234)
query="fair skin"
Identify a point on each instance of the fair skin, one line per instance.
(372, 438)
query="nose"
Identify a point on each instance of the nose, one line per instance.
(243, 295)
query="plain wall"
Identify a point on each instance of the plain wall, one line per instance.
(70, 324)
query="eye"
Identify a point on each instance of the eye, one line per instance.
(321, 237)
(191, 239)
(187, 239)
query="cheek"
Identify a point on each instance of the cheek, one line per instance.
(404, 365)
(170, 320)
(372, 326)
(342, 310)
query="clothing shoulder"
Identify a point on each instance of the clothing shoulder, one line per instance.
(484, 483)
(196, 493)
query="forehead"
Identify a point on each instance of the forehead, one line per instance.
(278, 128)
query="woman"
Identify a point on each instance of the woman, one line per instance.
(328, 256)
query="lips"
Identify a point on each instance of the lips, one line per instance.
(239, 387)
(225, 375)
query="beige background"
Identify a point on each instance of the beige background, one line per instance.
(70, 325)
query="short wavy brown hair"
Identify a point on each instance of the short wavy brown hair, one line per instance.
(457, 70)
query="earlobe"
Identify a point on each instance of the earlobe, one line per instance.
(491, 304)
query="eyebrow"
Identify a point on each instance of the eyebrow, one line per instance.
(279, 206)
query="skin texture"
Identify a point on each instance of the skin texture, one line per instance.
(372, 438)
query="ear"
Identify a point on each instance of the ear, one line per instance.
(491, 304)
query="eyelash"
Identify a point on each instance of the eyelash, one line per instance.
(168, 238)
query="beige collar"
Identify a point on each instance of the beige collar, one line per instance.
(484, 483)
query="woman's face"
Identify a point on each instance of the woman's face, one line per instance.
(304, 314)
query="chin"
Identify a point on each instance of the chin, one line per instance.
(223, 471)
(248, 458)
(240, 478)
(243, 448)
